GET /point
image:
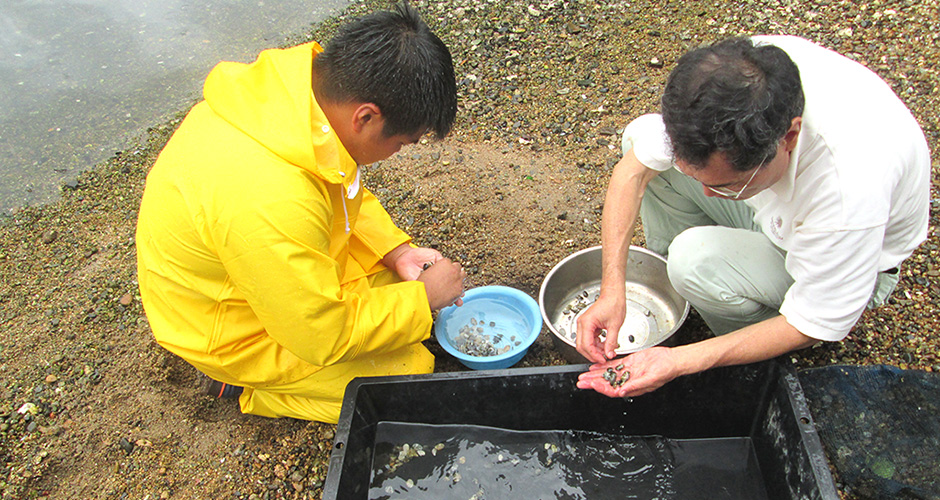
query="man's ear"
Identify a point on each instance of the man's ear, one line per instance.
(365, 114)
(789, 139)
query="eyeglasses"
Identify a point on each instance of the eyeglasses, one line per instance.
(730, 193)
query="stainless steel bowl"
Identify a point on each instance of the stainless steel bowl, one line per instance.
(654, 309)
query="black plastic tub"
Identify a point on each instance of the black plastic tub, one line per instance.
(763, 402)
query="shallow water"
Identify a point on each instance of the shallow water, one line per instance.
(80, 79)
(458, 461)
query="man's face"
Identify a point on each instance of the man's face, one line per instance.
(383, 147)
(375, 146)
(720, 180)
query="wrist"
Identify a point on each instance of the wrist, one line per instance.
(392, 256)
(685, 361)
(614, 290)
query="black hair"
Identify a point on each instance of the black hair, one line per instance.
(391, 59)
(733, 97)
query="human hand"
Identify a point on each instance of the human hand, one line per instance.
(409, 261)
(443, 283)
(604, 314)
(648, 369)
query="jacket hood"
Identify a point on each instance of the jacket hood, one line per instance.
(271, 101)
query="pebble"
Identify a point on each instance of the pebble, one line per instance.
(49, 236)
(126, 445)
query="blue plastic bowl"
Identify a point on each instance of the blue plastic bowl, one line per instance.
(513, 313)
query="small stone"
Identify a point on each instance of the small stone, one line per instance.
(51, 378)
(655, 62)
(49, 236)
(53, 430)
(30, 408)
(126, 299)
(126, 445)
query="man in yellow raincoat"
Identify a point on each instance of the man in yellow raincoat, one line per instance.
(263, 261)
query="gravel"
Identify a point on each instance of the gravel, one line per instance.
(91, 407)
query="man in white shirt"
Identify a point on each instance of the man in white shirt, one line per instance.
(785, 182)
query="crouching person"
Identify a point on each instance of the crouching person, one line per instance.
(263, 260)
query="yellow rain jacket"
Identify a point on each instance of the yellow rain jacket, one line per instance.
(258, 247)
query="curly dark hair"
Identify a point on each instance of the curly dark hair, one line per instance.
(391, 59)
(734, 97)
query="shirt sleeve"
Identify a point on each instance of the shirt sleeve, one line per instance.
(834, 276)
(646, 136)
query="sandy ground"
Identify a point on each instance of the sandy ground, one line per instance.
(91, 407)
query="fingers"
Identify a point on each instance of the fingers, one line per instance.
(587, 345)
(611, 345)
(613, 379)
(591, 346)
(595, 379)
(601, 318)
(633, 375)
(592, 352)
(443, 283)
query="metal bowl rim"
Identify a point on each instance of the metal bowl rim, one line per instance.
(562, 262)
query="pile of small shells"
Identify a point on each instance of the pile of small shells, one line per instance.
(575, 306)
(615, 378)
(404, 453)
(473, 340)
(408, 451)
(579, 303)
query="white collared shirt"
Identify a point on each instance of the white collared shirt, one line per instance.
(854, 200)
